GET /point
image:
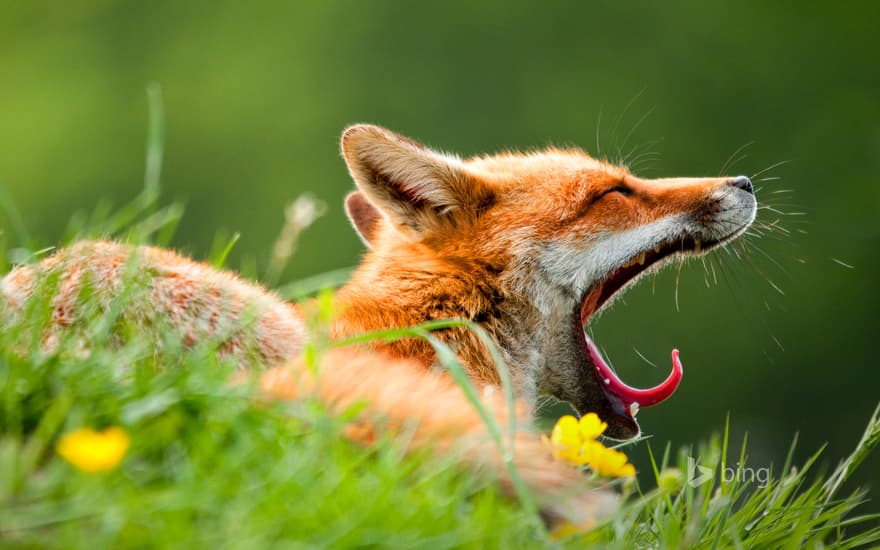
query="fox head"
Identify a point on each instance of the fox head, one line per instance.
(529, 246)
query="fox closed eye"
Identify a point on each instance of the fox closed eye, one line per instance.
(620, 188)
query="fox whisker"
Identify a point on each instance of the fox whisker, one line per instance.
(730, 162)
(771, 167)
(620, 118)
(635, 127)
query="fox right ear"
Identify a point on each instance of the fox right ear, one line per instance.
(414, 187)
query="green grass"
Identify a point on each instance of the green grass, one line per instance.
(210, 465)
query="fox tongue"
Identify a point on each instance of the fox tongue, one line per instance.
(633, 398)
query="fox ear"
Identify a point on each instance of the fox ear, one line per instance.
(414, 187)
(363, 215)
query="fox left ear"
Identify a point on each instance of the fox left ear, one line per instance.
(363, 216)
(416, 188)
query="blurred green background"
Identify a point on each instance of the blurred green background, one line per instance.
(257, 93)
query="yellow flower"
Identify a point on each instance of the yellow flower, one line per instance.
(92, 451)
(591, 426)
(574, 440)
(566, 439)
(606, 462)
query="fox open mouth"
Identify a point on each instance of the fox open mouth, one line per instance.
(625, 401)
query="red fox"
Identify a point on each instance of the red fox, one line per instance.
(527, 246)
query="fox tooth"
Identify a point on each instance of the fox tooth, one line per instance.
(638, 260)
(698, 245)
(657, 249)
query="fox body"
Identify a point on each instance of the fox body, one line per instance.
(527, 246)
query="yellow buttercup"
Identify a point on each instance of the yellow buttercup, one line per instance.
(575, 441)
(92, 451)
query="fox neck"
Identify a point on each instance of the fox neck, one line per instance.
(386, 292)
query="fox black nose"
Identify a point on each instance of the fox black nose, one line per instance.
(743, 183)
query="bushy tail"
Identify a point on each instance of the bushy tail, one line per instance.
(401, 396)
